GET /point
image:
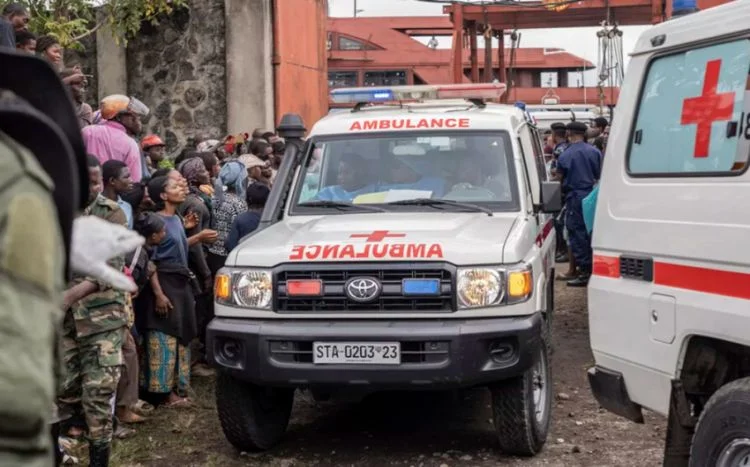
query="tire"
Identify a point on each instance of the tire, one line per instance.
(550, 311)
(253, 418)
(514, 408)
(723, 428)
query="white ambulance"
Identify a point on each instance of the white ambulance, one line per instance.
(409, 245)
(669, 300)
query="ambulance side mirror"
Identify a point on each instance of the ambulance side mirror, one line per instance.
(551, 198)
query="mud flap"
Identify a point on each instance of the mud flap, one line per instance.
(680, 428)
(610, 392)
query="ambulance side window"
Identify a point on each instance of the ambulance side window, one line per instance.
(693, 117)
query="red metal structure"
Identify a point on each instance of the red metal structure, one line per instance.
(498, 20)
(374, 51)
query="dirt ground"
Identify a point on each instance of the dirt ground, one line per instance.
(415, 429)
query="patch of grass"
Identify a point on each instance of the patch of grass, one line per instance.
(175, 437)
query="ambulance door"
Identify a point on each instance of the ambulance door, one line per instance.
(670, 252)
(544, 238)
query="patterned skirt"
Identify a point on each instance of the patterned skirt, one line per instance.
(165, 365)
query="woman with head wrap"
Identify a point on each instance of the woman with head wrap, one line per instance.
(197, 205)
(193, 169)
(228, 202)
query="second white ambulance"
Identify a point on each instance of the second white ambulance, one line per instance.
(669, 299)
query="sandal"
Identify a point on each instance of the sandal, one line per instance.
(123, 432)
(142, 407)
(179, 404)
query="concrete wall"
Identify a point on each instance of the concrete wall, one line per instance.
(249, 74)
(112, 77)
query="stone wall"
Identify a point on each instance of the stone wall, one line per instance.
(178, 69)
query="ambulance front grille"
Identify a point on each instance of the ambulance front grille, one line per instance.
(391, 299)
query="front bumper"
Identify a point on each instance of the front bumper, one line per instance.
(438, 353)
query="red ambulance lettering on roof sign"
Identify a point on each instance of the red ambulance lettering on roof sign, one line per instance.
(372, 248)
(409, 124)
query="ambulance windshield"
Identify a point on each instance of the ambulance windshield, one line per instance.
(464, 167)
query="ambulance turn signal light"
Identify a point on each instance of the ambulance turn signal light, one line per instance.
(520, 284)
(417, 93)
(222, 286)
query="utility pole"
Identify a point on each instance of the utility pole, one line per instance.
(356, 10)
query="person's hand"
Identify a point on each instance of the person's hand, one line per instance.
(191, 220)
(163, 305)
(208, 285)
(75, 78)
(208, 236)
(67, 301)
(96, 241)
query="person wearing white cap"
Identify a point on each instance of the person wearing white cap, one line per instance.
(258, 170)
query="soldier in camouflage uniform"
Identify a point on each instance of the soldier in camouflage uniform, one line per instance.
(93, 334)
(31, 259)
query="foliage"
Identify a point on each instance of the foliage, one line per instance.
(70, 21)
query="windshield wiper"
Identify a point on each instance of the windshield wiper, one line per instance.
(441, 202)
(341, 206)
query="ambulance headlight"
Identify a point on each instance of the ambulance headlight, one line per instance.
(249, 288)
(479, 287)
(493, 286)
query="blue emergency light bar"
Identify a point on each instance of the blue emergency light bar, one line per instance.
(683, 7)
(417, 93)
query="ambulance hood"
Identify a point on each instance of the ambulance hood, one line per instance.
(459, 238)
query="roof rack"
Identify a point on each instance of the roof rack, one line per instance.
(477, 94)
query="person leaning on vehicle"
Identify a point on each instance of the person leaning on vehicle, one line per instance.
(39, 136)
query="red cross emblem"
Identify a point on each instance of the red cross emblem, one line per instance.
(707, 108)
(377, 235)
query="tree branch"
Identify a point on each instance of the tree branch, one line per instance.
(88, 33)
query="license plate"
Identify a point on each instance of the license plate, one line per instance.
(366, 353)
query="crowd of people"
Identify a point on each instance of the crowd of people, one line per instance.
(574, 155)
(128, 354)
(191, 215)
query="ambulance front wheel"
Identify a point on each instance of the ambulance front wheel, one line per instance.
(521, 408)
(253, 418)
(722, 436)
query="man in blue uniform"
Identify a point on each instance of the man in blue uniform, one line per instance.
(560, 136)
(580, 167)
(559, 144)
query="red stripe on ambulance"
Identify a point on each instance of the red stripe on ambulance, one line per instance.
(681, 276)
(409, 124)
(544, 232)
